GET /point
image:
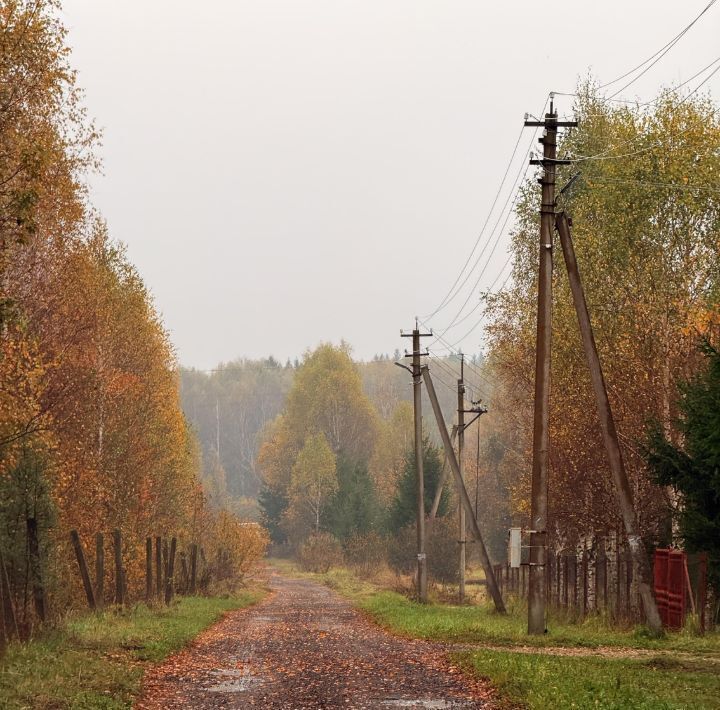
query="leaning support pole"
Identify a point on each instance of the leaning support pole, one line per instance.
(462, 494)
(442, 479)
(609, 433)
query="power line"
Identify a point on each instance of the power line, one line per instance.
(656, 57)
(700, 85)
(453, 292)
(445, 300)
(489, 289)
(666, 185)
(603, 155)
(514, 195)
(642, 104)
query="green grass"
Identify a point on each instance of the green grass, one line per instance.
(97, 661)
(482, 625)
(538, 682)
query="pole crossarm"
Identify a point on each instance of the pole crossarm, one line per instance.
(543, 124)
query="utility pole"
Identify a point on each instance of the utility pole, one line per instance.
(607, 425)
(419, 478)
(541, 433)
(461, 447)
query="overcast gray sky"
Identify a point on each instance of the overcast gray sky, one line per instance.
(287, 172)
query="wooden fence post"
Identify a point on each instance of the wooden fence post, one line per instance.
(572, 579)
(193, 568)
(38, 589)
(183, 586)
(158, 566)
(100, 570)
(119, 574)
(84, 574)
(170, 582)
(584, 582)
(3, 634)
(702, 589)
(165, 554)
(558, 595)
(207, 574)
(617, 580)
(148, 569)
(8, 611)
(601, 579)
(629, 568)
(550, 559)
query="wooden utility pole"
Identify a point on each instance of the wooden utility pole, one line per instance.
(419, 478)
(491, 582)
(541, 432)
(609, 432)
(461, 446)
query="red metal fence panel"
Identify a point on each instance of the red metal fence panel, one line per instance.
(676, 586)
(660, 575)
(670, 586)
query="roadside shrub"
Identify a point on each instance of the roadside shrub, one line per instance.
(441, 548)
(367, 553)
(320, 552)
(402, 551)
(236, 548)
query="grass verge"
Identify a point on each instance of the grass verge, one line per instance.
(537, 682)
(97, 661)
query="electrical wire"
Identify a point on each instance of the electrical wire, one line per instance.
(455, 289)
(445, 300)
(656, 57)
(667, 185)
(700, 85)
(603, 155)
(489, 289)
(633, 102)
(514, 195)
(437, 378)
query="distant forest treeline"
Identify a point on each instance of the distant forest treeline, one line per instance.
(228, 407)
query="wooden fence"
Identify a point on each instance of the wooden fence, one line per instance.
(167, 570)
(597, 582)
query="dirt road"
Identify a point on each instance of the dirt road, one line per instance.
(305, 647)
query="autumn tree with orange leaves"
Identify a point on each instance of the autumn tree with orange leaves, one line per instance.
(92, 434)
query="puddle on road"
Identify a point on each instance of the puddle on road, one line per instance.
(234, 680)
(426, 704)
